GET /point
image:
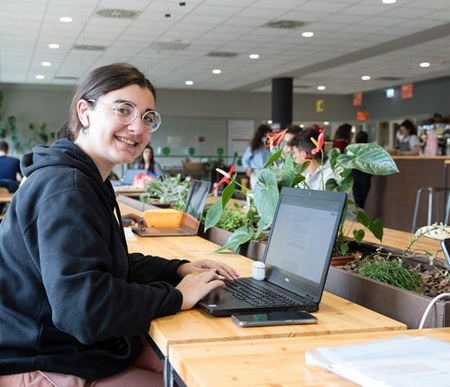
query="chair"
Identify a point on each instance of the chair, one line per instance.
(11, 185)
(433, 195)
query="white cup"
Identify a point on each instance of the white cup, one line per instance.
(258, 270)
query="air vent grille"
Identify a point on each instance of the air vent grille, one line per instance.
(65, 78)
(284, 24)
(171, 45)
(115, 13)
(89, 47)
(388, 79)
(222, 54)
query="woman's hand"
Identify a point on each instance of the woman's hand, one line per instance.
(207, 265)
(195, 286)
(133, 220)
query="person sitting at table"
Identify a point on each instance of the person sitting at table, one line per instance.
(342, 137)
(10, 174)
(75, 306)
(318, 171)
(147, 161)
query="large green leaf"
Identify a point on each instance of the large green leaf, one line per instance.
(274, 157)
(266, 195)
(213, 215)
(239, 237)
(368, 158)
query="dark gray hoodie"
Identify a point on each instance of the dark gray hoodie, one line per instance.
(70, 301)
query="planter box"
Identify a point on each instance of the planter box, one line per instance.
(134, 202)
(252, 249)
(391, 301)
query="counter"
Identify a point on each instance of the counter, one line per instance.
(392, 198)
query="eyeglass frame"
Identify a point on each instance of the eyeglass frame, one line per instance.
(136, 113)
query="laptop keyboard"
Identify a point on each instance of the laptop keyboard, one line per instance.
(258, 295)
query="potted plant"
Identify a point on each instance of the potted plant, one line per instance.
(282, 171)
(167, 191)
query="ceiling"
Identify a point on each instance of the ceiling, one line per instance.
(351, 38)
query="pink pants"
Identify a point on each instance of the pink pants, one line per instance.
(146, 371)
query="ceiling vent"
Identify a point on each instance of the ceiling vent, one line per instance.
(115, 13)
(284, 24)
(222, 54)
(65, 78)
(301, 87)
(88, 47)
(169, 45)
(389, 79)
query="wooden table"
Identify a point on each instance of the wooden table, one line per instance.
(336, 315)
(269, 362)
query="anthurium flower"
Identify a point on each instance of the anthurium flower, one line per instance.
(319, 143)
(275, 138)
(226, 177)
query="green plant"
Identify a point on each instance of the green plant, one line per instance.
(390, 271)
(169, 189)
(282, 171)
(232, 219)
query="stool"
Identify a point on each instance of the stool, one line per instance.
(432, 192)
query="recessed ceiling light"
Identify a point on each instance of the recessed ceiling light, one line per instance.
(65, 19)
(389, 1)
(425, 64)
(307, 34)
(365, 77)
(217, 71)
(254, 56)
(53, 46)
(321, 87)
(40, 76)
(270, 122)
(326, 122)
(46, 64)
(189, 83)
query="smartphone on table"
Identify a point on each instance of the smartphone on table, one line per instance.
(273, 318)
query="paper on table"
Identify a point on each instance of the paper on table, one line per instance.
(399, 361)
(129, 235)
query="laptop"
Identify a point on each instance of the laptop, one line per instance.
(188, 221)
(128, 178)
(297, 257)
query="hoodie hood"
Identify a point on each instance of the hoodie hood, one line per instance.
(61, 153)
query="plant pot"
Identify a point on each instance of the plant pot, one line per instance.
(341, 260)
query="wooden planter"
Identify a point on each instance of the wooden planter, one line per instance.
(391, 301)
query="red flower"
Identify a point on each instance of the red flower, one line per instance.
(275, 138)
(226, 177)
(319, 143)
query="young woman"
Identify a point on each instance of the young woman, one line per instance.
(256, 154)
(75, 306)
(147, 161)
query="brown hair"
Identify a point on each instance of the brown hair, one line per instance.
(261, 131)
(101, 81)
(303, 142)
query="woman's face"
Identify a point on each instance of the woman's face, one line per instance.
(404, 131)
(109, 142)
(147, 154)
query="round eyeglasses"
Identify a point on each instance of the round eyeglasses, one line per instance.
(125, 113)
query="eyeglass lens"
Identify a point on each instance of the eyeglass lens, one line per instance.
(126, 113)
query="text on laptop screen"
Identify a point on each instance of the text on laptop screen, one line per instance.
(300, 240)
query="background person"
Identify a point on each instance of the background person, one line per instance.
(256, 154)
(409, 143)
(147, 161)
(361, 180)
(317, 172)
(85, 304)
(292, 131)
(342, 137)
(10, 174)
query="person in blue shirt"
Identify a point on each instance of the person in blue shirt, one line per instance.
(256, 154)
(10, 174)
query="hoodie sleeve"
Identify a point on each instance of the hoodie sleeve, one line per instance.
(84, 270)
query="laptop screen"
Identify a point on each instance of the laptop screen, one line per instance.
(303, 237)
(196, 200)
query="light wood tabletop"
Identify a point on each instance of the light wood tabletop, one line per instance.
(269, 362)
(5, 195)
(336, 315)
